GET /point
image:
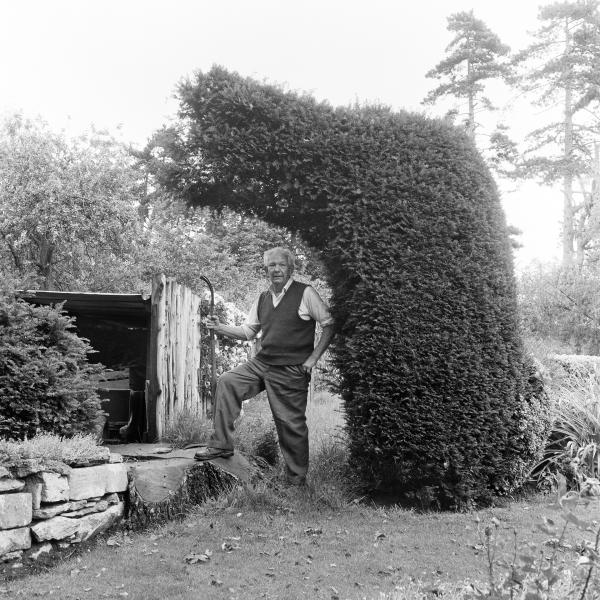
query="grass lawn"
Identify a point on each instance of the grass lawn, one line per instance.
(284, 544)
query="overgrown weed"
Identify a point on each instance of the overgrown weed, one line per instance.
(78, 447)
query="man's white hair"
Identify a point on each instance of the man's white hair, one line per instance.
(289, 257)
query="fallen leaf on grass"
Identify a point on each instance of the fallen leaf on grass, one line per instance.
(112, 542)
(216, 582)
(194, 558)
(379, 535)
(227, 547)
(313, 531)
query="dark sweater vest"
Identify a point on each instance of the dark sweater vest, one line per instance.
(286, 338)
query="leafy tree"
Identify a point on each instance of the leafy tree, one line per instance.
(438, 400)
(474, 56)
(67, 209)
(561, 67)
(188, 242)
(560, 306)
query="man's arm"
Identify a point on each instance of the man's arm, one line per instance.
(322, 345)
(248, 331)
(236, 332)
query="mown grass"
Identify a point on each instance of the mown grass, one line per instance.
(286, 551)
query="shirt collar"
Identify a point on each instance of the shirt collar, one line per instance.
(286, 287)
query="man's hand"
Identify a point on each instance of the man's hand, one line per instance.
(234, 332)
(308, 364)
(212, 322)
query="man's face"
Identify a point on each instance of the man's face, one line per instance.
(278, 270)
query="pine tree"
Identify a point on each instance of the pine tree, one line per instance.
(562, 68)
(474, 56)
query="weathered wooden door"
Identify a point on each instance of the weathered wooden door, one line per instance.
(175, 354)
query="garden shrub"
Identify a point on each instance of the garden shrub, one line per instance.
(46, 382)
(408, 219)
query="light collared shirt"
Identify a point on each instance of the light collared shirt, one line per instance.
(311, 307)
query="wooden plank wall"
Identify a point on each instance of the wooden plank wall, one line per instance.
(175, 355)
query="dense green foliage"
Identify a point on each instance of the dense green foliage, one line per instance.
(46, 383)
(435, 386)
(68, 209)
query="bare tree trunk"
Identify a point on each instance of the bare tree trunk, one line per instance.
(471, 99)
(568, 233)
(45, 262)
(17, 259)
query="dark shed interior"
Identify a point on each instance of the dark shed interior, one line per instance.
(118, 328)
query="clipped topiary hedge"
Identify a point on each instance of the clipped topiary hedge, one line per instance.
(436, 390)
(46, 383)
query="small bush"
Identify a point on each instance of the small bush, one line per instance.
(46, 382)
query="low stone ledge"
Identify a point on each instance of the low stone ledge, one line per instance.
(15, 510)
(154, 491)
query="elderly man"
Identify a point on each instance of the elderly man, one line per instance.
(286, 314)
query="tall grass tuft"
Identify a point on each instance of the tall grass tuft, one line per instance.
(574, 446)
(187, 428)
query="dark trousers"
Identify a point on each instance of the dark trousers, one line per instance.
(287, 388)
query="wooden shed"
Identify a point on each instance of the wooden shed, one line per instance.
(153, 347)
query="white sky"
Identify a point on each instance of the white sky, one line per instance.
(115, 63)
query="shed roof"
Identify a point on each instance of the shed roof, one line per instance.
(131, 309)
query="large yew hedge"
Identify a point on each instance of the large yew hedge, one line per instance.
(437, 395)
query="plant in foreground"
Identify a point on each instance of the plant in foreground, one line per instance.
(554, 570)
(573, 449)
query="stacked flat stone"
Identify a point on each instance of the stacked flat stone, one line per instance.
(44, 503)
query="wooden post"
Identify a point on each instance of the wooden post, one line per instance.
(155, 396)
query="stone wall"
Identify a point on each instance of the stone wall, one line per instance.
(46, 504)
